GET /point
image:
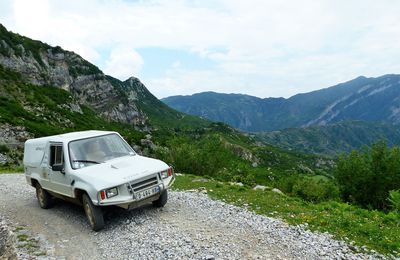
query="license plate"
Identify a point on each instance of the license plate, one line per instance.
(146, 193)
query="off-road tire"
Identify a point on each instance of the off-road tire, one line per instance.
(162, 200)
(44, 198)
(93, 213)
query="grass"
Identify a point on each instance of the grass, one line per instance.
(28, 243)
(376, 230)
(22, 237)
(11, 169)
(19, 228)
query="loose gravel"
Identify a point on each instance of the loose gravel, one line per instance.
(190, 226)
(7, 250)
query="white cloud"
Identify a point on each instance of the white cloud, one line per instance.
(24, 11)
(123, 62)
(263, 47)
(176, 64)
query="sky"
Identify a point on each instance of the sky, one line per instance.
(267, 48)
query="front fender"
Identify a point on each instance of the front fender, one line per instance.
(90, 190)
(170, 182)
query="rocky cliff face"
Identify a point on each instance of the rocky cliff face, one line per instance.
(12, 140)
(45, 65)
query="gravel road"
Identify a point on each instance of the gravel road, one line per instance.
(190, 226)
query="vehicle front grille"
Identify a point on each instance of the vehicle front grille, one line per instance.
(142, 184)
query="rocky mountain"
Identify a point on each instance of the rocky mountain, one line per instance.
(367, 99)
(47, 90)
(333, 138)
(43, 65)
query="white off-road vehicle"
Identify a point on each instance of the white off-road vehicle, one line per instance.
(94, 169)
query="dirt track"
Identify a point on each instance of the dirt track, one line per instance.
(190, 226)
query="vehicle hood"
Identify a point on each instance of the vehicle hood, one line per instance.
(120, 170)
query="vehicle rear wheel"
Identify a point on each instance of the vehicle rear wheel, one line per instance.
(94, 214)
(44, 198)
(162, 200)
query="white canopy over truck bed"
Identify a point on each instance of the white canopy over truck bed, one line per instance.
(35, 151)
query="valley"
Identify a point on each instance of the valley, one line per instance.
(332, 139)
(329, 121)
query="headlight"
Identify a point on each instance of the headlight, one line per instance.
(167, 173)
(164, 174)
(112, 192)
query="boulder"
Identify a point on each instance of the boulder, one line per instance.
(236, 184)
(277, 191)
(259, 187)
(200, 180)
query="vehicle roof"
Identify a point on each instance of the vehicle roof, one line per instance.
(71, 136)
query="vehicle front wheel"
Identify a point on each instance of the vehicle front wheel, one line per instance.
(94, 214)
(162, 200)
(44, 198)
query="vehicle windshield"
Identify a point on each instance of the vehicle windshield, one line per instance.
(98, 149)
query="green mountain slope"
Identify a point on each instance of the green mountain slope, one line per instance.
(331, 139)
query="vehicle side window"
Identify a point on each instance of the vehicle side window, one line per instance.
(56, 155)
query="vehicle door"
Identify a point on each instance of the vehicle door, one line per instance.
(59, 180)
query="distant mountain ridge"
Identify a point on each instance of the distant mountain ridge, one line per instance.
(366, 99)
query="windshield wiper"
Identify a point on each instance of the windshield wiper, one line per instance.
(86, 161)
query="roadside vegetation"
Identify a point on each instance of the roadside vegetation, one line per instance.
(367, 177)
(355, 199)
(377, 230)
(11, 169)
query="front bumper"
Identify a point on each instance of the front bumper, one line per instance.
(126, 199)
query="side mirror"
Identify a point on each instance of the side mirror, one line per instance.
(58, 168)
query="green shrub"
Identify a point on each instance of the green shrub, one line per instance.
(310, 188)
(315, 190)
(206, 156)
(366, 177)
(394, 199)
(4, 148)
(240, 173)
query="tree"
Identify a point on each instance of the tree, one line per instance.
(366, 177)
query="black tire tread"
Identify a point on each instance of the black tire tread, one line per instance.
(162, 200)
(48, 201)
(97, 213)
